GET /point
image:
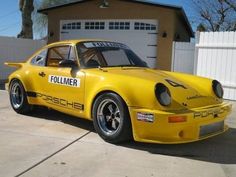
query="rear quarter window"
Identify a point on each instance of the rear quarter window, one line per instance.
(39, 59)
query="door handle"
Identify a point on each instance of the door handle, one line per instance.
(42, 74)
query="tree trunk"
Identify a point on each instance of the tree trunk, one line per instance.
(26, 8)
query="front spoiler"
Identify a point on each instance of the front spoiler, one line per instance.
(160, 130)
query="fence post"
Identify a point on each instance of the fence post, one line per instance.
(197, 38)
(173, 56)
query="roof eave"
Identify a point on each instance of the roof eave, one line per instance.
(45, 10)
(188, 23)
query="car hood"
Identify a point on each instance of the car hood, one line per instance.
(183, 93)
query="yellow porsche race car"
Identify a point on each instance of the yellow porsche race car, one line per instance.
(109, 84)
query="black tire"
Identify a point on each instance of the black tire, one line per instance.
(107, 125)
(18, 98)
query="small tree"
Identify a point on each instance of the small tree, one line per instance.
(26, 7)
(216, 15)
(201, 27)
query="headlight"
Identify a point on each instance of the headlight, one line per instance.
(217, 88)
(163, 94)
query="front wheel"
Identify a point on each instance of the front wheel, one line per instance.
(18, 98)
(111, 118)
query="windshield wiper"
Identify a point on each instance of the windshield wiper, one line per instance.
(124, 66)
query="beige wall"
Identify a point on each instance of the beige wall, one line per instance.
(121, 10)
(180, 29)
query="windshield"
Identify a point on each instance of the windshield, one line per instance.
(107, 54)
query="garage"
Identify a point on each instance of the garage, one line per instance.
(140, 35)
(148, 28)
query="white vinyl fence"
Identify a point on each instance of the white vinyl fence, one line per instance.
(13, 49)
(214, 57)
(183, 57)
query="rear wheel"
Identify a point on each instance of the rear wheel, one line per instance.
(18, 98)
(111, 118)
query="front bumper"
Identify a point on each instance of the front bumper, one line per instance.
(154, 126)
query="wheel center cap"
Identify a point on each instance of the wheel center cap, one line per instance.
(112, 116)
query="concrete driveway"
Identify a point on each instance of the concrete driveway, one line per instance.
(51, 144)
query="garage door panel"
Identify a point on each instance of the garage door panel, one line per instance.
(139, 35)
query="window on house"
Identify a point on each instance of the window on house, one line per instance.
(119, 25)
(94, 25)
(72, 26)
(144, 26)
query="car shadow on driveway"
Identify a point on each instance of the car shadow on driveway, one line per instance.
(44, 113)
(218, 149)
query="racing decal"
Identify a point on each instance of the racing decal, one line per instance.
(175, 84)
(195, 97)
(213, 112)
(105, 44)
(145, 117)
(57, 101)
(31, 94)
(61, 80)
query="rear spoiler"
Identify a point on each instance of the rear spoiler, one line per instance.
(12, 64)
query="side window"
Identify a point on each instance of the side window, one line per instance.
(56, 54)
(40, 59)
(90, 58)
(72, 54)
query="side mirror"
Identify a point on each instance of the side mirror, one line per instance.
(144, 64)
(68, 64)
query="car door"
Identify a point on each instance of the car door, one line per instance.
(62, 87)
(36, 77)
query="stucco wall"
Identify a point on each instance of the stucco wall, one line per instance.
(181, 33)
(121, 10)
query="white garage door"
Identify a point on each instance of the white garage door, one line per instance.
(139, 35)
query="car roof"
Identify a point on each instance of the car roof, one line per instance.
(74, 42)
